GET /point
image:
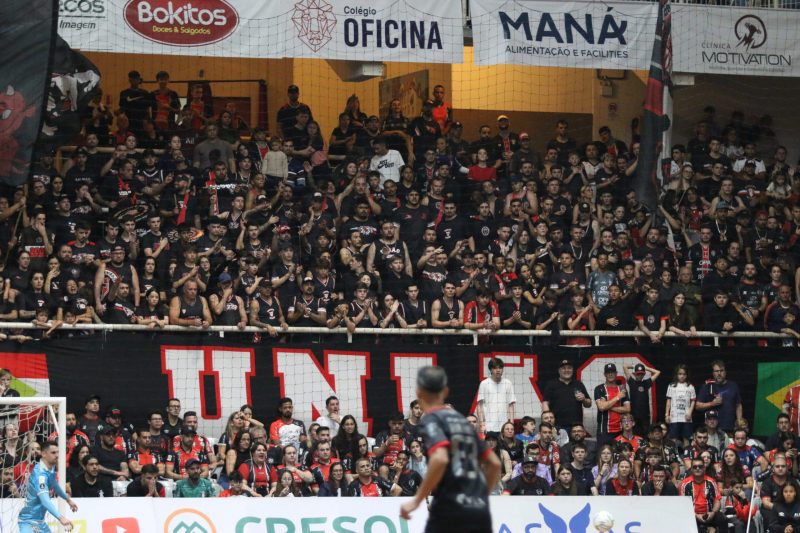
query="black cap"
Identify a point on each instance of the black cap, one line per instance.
(191, 462)
(93, 397)
(189, 432)
(712, 414)
(639, 369)
(565, 362)
(113, 411)
(265, 283)
(432, 379)
(610, 367)
(530, 459)
(108, 430)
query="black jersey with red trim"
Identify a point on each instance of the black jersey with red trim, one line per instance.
(461, 499)
(608, 421)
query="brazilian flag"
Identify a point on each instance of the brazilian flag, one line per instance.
(774, 380)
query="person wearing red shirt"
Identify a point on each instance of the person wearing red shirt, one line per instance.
(791, 406)
(255, 472)
(286, 430)
(142, 454)
(482, 312)
(321, 468)
(705, 496)
(482, 170)
(389, 443)
(627, 435)
(441, 111)
(237, 487)
(368, 486)
(612, 402)
(201, 442)
(176, 460)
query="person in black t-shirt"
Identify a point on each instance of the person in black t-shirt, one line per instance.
(455, 478)
(651, 318)
(91, 484)
(615, 315)
(135, 102)
(528, 484)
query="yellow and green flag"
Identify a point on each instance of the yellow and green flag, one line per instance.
(774, 380)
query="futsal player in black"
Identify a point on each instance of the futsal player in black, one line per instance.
(455, 457)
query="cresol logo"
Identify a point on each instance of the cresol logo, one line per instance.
(182, 22)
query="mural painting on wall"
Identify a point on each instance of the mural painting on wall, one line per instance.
(411, 89)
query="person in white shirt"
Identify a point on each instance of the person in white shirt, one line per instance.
(496, 399)
(681, 400)
(386, 162)
(332, 419)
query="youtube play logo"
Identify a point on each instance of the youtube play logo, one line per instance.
(121, 525)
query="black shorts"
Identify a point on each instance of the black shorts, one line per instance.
(453, 524)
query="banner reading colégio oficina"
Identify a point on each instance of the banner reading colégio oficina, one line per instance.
(613, 35)
(357, 30)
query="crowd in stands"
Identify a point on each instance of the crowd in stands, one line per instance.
(716, 462)
(169, 215)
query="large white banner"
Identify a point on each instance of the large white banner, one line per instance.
(727, 40)
(511, 514)
(358, 30)
(613, 35)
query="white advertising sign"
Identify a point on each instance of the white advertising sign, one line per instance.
(517, 514)
(359, 30)
(614, 35)
(728, 40)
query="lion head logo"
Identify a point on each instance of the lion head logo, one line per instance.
(314, 20)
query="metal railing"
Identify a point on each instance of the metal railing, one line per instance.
(476, 335)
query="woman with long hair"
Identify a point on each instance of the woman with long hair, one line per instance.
(74, 468)
(238, 453)
(682, 320)
(285, 485)
(255, 471)
(12, 446)
(152, 313)
(510, 444)
(233, 426)
(249, 421)
(681, 400)
(605, 469)
(417, 460)
(624, 484)
(786, 510)
(345, 443)
(336, 483)
(567, 485)
(353, 109)
(506, 467)
(291, 463)
(536, 284)
(731, 470)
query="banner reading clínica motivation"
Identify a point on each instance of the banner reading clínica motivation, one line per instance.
(612, 35)
(356, 30)
(635, 514)
(26, 41)
(744, 41)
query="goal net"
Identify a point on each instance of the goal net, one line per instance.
(25, 424)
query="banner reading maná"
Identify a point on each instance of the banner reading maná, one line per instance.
(356, 30)
(614, 35)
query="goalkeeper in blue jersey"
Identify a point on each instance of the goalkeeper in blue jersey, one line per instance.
(38, 502)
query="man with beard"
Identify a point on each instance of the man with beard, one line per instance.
(566, 396)
(528, 484)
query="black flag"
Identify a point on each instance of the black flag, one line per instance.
(656, 118)
(26, 39)
(74, 82)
